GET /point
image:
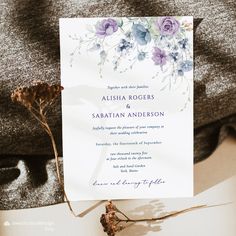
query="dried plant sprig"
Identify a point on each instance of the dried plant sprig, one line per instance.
(37, 99)
(114, 220)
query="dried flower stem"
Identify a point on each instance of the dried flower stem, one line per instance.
(44, 123)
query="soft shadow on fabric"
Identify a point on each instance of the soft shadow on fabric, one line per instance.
(222, 166)
(34, 22)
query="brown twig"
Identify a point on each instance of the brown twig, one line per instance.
(37, 99)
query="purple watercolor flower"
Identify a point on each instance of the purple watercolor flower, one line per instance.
(168, 25)
(159, 56)
(106, 27)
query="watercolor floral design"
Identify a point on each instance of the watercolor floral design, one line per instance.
(161, 41)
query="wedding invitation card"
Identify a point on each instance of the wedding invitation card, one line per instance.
(127, 107)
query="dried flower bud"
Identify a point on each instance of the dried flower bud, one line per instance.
(110, 221)
(110, 207)
(25, 96)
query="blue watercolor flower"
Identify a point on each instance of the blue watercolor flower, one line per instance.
(186, 66)
(141, 56)
(174, 56)
(180, 72)
(141, 34)
(183, 43)
(124, 45)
